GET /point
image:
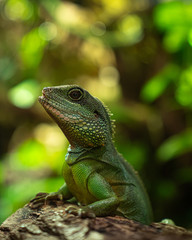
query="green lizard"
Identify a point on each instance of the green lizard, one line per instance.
(94, 172)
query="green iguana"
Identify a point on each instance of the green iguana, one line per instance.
(94, 172)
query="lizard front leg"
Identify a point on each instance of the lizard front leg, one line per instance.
(41, 198)
(107, 200)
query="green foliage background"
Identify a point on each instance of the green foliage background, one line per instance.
(134, 55)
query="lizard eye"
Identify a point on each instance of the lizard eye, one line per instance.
(75, 94)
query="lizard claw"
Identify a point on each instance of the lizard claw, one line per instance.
(39, 196)
(42, 198)
(72, 210)
(80, 212)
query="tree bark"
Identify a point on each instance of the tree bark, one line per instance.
(51, 222)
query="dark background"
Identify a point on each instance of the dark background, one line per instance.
(136, 56)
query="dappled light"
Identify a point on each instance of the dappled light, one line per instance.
(48, 31)
(18, 10)
(24, 94)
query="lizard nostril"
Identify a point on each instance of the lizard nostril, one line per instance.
(47, 89)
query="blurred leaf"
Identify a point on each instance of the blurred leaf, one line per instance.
(171, 14)
(24, 94)
(130, 29)
(190, 37)
(32, 47)
(175, 39)
(51, 6)
(48, 31)
(158, 84)
(175, 19)
(184, 88)
(17, 192)
(115, 8)
(18, 9)
(31, 154)
(175, 146)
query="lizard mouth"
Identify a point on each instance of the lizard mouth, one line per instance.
(47, 101)
(43, 100)
(49, 104)
(44, 97)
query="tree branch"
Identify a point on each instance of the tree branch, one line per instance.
(52, 223)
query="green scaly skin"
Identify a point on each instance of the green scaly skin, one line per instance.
(94, 172)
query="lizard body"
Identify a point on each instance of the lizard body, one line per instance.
(94, 172)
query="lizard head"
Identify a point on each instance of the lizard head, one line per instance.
(84, 120)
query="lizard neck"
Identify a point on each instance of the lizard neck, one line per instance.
(108, 146)
(103, 153)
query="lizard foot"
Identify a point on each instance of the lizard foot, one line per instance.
(42, 198)
(83, 213)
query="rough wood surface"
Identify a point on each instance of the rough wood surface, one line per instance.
(52, 223)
